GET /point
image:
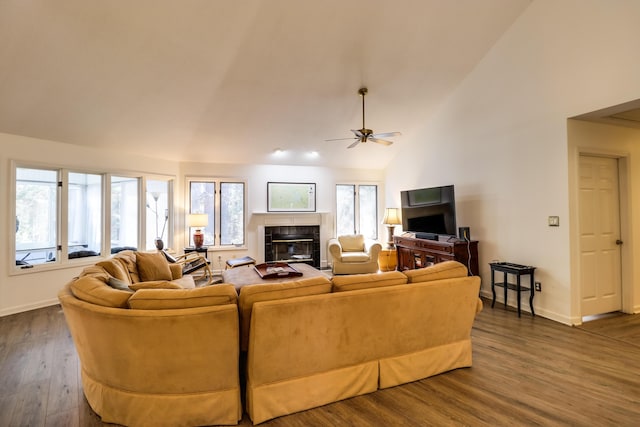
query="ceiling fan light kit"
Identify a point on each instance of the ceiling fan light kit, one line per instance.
(363, 135)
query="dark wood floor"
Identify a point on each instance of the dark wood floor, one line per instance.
(527, 371)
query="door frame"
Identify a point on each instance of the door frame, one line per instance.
(626, 268)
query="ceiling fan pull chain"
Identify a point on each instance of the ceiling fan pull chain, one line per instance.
(363, 91)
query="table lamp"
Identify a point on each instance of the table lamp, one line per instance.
(198, 221)
(391, 219)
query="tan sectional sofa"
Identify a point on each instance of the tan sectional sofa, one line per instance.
(162, 355)
(373, 331)
(166, 355)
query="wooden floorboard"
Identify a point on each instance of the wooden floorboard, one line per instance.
(526, 371)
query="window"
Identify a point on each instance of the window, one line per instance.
(124, 212)
(231, 213)
(61, 215)
(84, 224)
(36, 215)
(202, 201)
(224, 204)
(158, 193)
(357, 210)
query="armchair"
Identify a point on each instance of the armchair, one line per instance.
(191, 262)
(352, 254)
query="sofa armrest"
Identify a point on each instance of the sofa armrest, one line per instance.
(373, 248)
(335, 248)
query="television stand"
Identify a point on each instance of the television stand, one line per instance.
(418, 253)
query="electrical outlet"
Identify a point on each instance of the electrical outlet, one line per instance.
(538, 286)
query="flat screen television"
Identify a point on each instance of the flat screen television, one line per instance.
(429, 210)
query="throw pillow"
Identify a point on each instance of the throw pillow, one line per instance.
(128, 260)
(152, 266)
(115, 269)
(154, 284)
(116, 283)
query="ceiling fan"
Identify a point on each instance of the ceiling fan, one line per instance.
(364, 134)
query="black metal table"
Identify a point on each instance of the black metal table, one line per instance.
(204, 250)
(517, 270)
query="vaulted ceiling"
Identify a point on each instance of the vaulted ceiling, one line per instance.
(230, 81)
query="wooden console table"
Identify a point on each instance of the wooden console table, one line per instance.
(417, 253)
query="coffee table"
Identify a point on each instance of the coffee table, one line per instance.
(241, 276)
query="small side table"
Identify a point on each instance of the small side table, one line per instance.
(517, 270)
(204, 250)
(387, 259)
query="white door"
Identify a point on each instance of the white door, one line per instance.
(600, 258)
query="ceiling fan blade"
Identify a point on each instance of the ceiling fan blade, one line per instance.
(380, 141)
(358, 132)
(386, 134)
(339, 139)
(354, 144)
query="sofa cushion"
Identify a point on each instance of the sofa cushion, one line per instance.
(161, 299)
(152, 266)
(364, 281)
(185, 282)
(352, 243)
(115, 269)
(441, 270)
(355, 257)
(155, 284)
(96, 291)
(251, 294)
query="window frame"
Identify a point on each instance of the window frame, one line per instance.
(217, 212)
(357, 206)
(61, 247)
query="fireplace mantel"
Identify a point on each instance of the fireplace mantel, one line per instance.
(290, 218)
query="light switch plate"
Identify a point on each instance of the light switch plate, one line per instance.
(554, 221)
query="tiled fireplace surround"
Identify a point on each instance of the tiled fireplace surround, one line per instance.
(292, 243)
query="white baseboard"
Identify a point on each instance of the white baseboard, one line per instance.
(28, 307)
(525, 308)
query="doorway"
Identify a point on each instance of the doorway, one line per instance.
(599, 235)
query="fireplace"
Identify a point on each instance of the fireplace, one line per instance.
(299, 243)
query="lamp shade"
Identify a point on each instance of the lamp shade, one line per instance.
(197, 220)
(391, 216)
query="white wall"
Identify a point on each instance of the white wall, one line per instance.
(501, 138)
(257, 177)
(31, 289)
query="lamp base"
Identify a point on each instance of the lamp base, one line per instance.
(198, 239)
(159, 243)
(390, 244)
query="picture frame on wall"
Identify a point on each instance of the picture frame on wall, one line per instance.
(291, 197)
